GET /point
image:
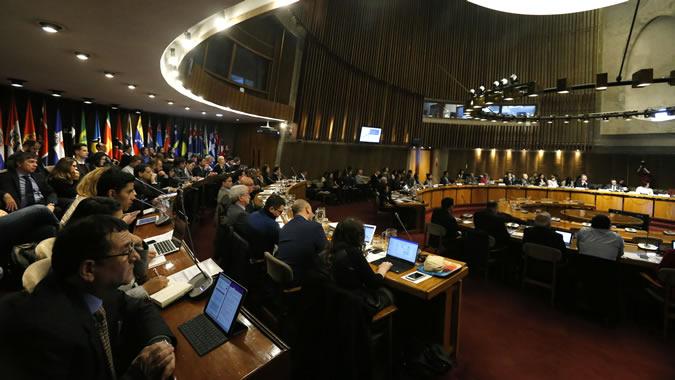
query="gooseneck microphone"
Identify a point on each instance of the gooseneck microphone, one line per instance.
(402, 225)
(202, 281)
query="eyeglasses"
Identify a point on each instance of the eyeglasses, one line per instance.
(128, 251)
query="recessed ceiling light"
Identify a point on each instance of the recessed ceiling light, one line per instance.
(237, 120)
(18, 83)
(50, 27)
(219, 115)
(88, 100)
(537, 7)
(57, 93)
(151, 95)
(131, 86)
(138, 112)
(187, 108)
(203, 112)
(170, 102)
(81, 56)
(109, 74)
(114, 106)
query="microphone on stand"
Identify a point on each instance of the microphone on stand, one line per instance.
(202, 281)
(402, 225)
(163, 217)
(294, 173)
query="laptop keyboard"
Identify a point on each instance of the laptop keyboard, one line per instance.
(397, 265)
(202, 334)
(165, 247)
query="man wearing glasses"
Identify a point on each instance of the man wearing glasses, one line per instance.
(76, 324)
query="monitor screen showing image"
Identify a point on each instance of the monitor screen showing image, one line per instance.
(370, 135)
(519, 110)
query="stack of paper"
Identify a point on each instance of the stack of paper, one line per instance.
(172, 292)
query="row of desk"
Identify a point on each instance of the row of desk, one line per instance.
(658, 207)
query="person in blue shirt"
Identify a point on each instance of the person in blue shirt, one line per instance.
(263, 227)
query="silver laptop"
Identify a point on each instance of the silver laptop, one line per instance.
(567, 237)
(368, 234)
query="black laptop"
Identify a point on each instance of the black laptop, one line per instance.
(401, 254)
(219, 322)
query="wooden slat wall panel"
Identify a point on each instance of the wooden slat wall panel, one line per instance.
(373, 62)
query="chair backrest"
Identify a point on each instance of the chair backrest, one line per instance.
(35, 273)
(278, 270)
(435, 230)
(542, 252)
(667, 276)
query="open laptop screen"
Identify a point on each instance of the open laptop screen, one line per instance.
(369, 233)
(567, 237)
(402, 249)
(224, 303)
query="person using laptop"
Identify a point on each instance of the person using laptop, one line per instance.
(542, 233)
(345, 260)
(599, 241)
(76, 324)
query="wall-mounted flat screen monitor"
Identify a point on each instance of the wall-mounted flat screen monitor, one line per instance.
(370, 135)
(519, 110)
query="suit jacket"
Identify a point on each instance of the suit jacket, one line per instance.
(299, 242)
(544, 236)
(9, 183)
(492, 224)
(50, 334)
(237, 218)
(442, 217)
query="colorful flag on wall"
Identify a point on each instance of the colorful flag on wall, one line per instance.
(44, 151)
(83, 130)
(14, 131)
(138, 138)
(29, 125)
(149, 141)
(119, 136)
(167, 138)
(59, 151)
(97, 134)
(158, 138)
(108, 136)
(128, 133)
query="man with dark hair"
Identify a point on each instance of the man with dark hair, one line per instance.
(445, 180)
(80, 154)
(118, 185)
(301, 240)
(135, 161)
(76, 324)
(443, 217)
(21, 186)
(264, 230)
(597, 240)
(179, 172)
(145, 187)
(489, 221)
(542, 233)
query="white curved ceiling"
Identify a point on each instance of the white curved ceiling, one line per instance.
(124, 36)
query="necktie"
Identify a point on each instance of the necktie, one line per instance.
(102, 329)
(30, 192)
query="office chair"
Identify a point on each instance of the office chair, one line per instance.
(541, 254)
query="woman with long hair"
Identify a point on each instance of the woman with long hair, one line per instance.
(63, 178)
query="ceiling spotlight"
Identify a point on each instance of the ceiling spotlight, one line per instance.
(643, 78)
(481, 88)
(601, 81)
(151, 95)
(496, 83)
(505, 81)
(138, 112)
(187, 108)
(472, 91)
(236, 119)
(566, 121)
(114, 106)
(172, 57)
(81, 56)
(109, 74)
(203, 112)
(219, 115)
(513, 78)
(18, 83)
(50, 27)
(88, 100)
(561, 86)
(170, 102)
(605, 119)
(586, 121)
(131, 86)
(57, 93)
(550, 122)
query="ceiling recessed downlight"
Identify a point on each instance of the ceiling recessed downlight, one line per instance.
(131, 86)
(50, 27)
(545, 7)
(81, 56)
(109, 74)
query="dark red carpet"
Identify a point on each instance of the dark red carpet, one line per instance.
(506, 333)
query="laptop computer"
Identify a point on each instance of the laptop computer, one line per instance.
(567, 237)
(368, 234)
(401, 253)
(219, 322)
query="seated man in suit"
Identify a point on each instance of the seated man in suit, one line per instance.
(21, 186)
(76, 324)
(443, 217)
(237, 216)
(582, 181)
(492, 223)
(145, 189)
(301, 240)
(597, 240)
(263, 227)
(543, 234)
(81, 154)
(445, 180)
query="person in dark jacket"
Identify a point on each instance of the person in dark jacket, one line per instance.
(63, 178)
(543, 234)
(301, 240)
(21, 186)
(492, 223)
(76, 324)
(263, 228)
(443, 217)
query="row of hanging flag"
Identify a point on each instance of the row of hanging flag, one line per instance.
(181, 140)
